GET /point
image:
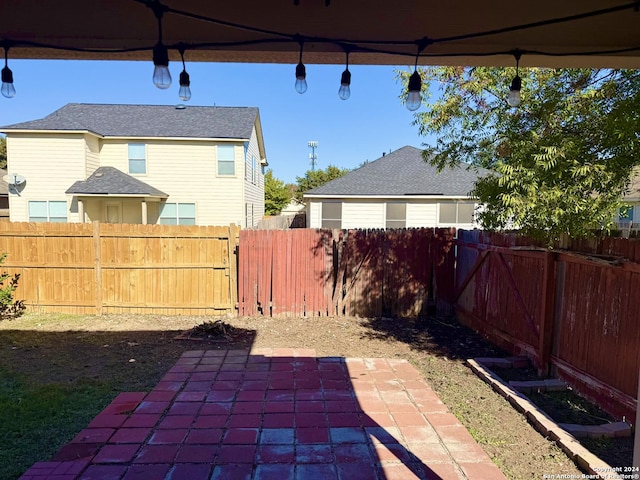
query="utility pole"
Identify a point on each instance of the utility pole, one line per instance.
(313, 156)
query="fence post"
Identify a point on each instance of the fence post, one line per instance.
(636, 444)
(232, 249)
(97, 255)
(547, 312)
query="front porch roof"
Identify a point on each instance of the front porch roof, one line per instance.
(111, 181)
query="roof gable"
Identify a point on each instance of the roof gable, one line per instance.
(148, 121)
(111, 181)
(401, 172)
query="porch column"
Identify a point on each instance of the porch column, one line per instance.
(80, 210)
(144, 211)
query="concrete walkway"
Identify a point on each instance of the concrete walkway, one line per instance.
(281, 414)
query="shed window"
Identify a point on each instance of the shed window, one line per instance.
(178, 214)
(396, 215)
(331, 214)
(226, 160)
(48, 211)
(137, 158)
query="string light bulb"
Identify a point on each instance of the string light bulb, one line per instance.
(185, 83)
(7, 89)
(161, 75)
(414, 95)
(345, 82)
(301, 75)
(513, 99)
(414, 89)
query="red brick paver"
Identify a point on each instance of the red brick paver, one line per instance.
(275, 414)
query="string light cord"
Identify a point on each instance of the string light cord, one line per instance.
(293, 37)
(162, 77)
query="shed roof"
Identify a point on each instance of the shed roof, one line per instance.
(111, 181)
(401, 172)
(148, 121)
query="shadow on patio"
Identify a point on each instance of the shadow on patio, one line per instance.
(275, 413)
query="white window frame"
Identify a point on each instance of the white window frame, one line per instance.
(395, 221)
(330, 219)
(136, 159)
(49, 218)
(457, 212)
(179, 219)
(219, 162)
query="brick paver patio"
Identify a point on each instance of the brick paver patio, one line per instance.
(281, 414)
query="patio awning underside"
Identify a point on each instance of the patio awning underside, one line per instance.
(387, 32)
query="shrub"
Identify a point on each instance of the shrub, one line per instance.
(9, 308)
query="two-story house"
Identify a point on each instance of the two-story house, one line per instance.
(139, 164)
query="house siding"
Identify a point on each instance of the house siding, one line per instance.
(187, 172)
(424, 214)
(372, 214)
(314, 216)
(92, 154)
(254, 194)
(51, 163)
(363, 214)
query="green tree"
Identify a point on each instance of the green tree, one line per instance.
(276, 194)
(316, 178)
(560, 161)
(3, 152)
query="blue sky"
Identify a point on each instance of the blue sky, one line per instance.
(348, 132)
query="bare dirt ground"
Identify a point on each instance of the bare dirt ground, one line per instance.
(133, 352)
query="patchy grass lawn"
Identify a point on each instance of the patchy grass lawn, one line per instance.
(58, 371)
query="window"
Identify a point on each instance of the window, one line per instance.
(254, 170)
(461, 212)
(226, 160)
(626, 214)
(48, 211)
(178, 214)
(465, 212)
(396, 215)
(331, 215)
(137, 158)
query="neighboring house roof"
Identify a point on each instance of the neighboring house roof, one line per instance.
(402, 172)
(111, 181)
(148, 121)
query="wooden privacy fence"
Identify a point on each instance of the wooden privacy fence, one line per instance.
(334, 272)
(116, 268)
(570, 312)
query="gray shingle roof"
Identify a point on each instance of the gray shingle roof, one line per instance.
(148, 121)
(111, 181)
(401, 172)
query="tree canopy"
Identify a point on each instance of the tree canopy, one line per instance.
(561, 160)
(276, 194)
(317, 178)
(3, 152)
